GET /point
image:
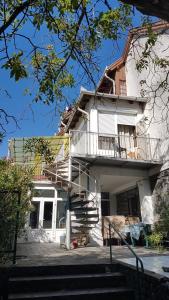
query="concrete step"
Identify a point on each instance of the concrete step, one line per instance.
(27, 271)
(56, 283)
(120, 293)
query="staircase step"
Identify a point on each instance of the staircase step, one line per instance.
(25, 271)
(80, 203)
(80, 195)
(85, 221)
(83, 209)
(56, 283)
(82, 228)
(108, 293)
(84, 215)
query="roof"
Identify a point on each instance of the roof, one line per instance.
(139, 31)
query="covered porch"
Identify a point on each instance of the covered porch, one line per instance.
(125, 200)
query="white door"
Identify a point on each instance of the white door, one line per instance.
(48, 217)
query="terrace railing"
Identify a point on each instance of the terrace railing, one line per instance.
(141, 148)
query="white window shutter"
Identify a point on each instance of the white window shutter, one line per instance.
(106, 123)
(126, 119)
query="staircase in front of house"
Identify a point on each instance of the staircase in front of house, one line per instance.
(83, 203)
(101, 281)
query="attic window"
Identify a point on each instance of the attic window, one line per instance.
(123, 89)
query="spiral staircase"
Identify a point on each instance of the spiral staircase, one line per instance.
(73, 176)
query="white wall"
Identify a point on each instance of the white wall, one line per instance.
(156, 111)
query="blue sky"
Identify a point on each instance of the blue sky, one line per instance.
(36, 119)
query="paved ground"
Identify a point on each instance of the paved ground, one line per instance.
(49, 254)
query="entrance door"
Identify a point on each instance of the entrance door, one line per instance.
(47, 222)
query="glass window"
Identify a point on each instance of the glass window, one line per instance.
(47, 215)
(46, 193)
(61, 214)
(62, 194)
(34, 215)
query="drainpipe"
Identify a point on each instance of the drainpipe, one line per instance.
(112, 81)
(63, 124)
(83, 111)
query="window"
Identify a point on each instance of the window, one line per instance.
(46, 193)
(61, 214)
(123, 89)
(128, 203)
(105, 203)
(34, 215)
(47, 215)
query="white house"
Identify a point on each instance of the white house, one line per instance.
(111, 153)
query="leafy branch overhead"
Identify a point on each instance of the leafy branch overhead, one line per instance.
(42, 39)
(45, 40)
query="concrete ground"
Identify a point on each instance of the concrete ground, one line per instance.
(50, 254)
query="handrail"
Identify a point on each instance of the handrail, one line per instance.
(138, 259)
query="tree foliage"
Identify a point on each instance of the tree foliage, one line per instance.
(76, 29)
(43, 40)
(13, 178)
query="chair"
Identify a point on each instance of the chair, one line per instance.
(118, 221)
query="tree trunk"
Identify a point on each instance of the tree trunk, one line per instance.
(157, 8)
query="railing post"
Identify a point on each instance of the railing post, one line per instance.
(16, 228)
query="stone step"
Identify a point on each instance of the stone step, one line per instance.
(56, 283)
(120, 293)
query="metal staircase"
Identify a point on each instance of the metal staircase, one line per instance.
(72, 175)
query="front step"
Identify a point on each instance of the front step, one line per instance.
(68, 282)
(55, 283)
(108, 293)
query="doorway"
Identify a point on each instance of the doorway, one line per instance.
(47, 222)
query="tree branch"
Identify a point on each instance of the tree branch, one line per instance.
(19, 9)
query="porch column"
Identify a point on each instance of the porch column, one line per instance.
(146, 203)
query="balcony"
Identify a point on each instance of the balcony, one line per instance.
(116, 149)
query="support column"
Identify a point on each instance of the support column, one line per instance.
(146, 203)
(96, 233)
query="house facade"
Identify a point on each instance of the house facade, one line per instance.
(112, 150)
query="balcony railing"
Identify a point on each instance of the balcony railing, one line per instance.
(142, 148)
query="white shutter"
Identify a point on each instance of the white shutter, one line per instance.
(126, 119)
(106, 123)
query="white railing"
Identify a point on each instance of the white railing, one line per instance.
(141, 148)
